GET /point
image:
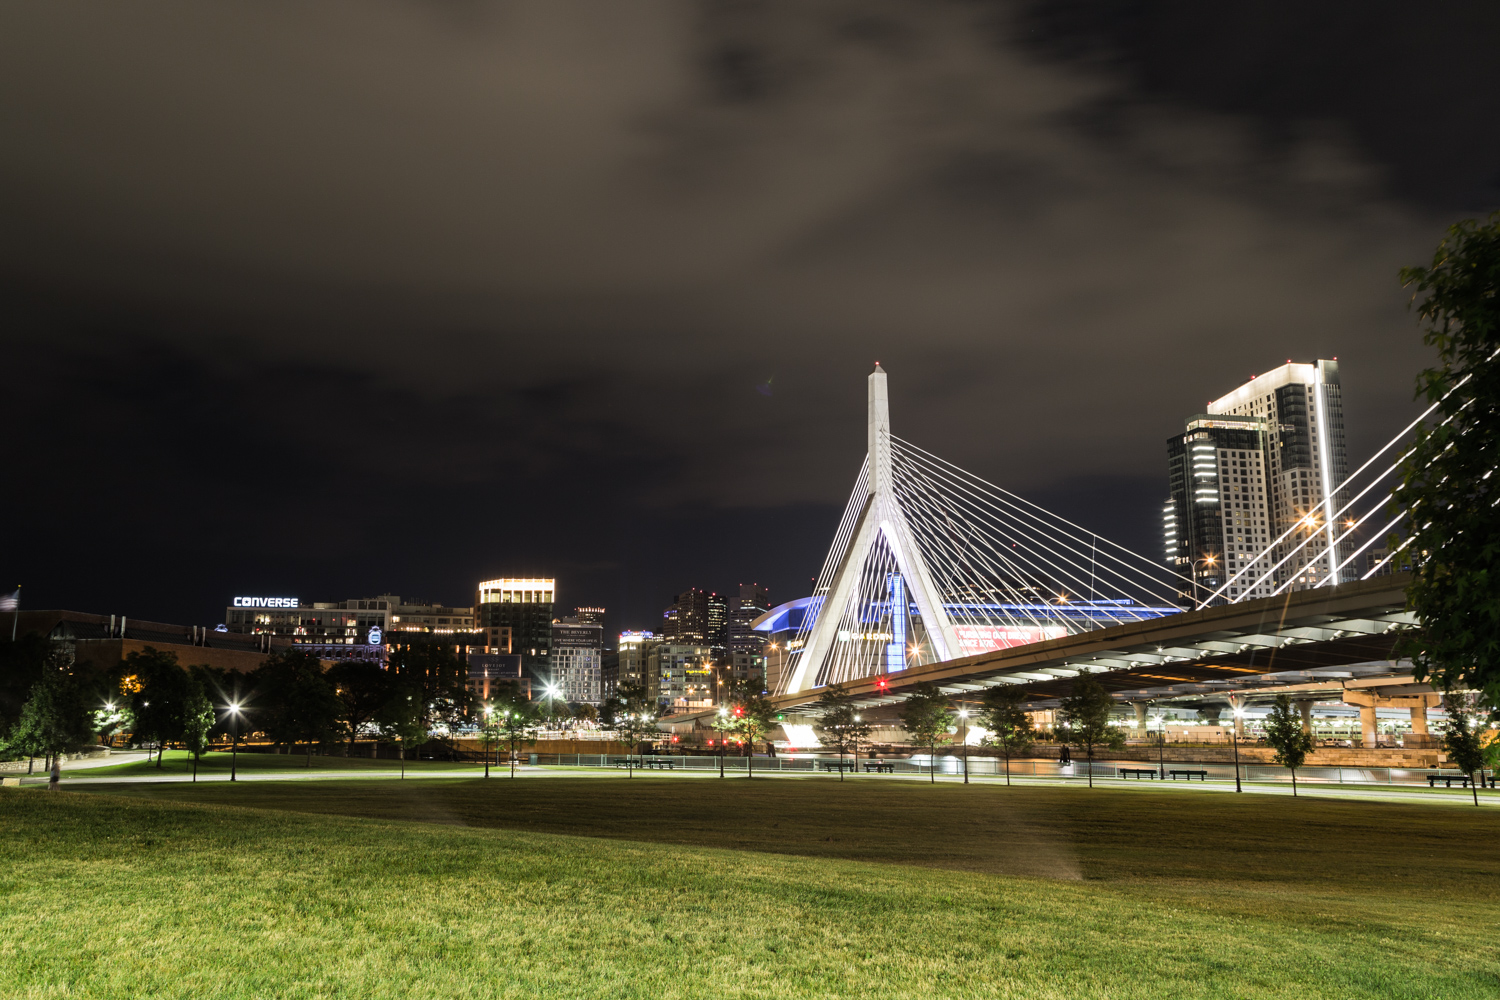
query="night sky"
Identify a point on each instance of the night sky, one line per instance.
(328, 300)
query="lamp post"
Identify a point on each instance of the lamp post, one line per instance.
(234, 746)
(488, 711)
(723, 728)
(552, 693)
(1234, 736)
(857, 721)
(1161, 745)
(963, 719)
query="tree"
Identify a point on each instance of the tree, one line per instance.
(1464, 741)
(1085, 715)
(515, 718)
(55, 719)
(295, 700)
(723, 723)
(1009, 725)
(1285, 735)
(439, 678)
(635, 717)
(1447, 490)
(926, 715)
(401, 719)
(361, 688)
(754, 716)
(838, 724)
(198, 720)
(611, 710)
(21, 665)
(157, 689)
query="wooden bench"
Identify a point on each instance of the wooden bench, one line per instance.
(1126, 772)
(839, 765)
(1202, 775)
(886, 766)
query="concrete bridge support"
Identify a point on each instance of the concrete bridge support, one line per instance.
(1371, 699)
(1419, 719)
(1140, 716)
(1305, 708)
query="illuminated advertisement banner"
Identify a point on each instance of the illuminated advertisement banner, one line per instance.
(974, 639)
(266, 602)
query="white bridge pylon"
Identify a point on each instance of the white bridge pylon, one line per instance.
(931, 563)
(880, 520)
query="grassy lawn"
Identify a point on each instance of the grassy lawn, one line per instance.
(178, 762)
(608, 887)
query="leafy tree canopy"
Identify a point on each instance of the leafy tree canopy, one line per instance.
(1447, 485)
(55, 719)
(294, 702)
(926, 715)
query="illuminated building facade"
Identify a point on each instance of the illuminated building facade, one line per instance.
(1266, 461)
(341, 630)
(524, 606)
(576, 651)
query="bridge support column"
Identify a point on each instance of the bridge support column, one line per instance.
(1305, 708)
(1419, 719)
(1367, 725)
(1140, 716)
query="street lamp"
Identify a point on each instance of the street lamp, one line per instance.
(963, 718)
(552, 692)
(857, 721)
(1161, 745)
(234, 746)
(723, 728)
(1234, 736)
(488, 711)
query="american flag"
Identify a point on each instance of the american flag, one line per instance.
(12, 601)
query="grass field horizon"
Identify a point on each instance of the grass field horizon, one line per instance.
(658, 887)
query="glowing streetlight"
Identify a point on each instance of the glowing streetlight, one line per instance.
(963, 740)
(1234, 736)
(234, 746)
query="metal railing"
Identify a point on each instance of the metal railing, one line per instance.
(989, 768)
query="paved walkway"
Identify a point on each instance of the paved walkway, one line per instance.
(1385, 793)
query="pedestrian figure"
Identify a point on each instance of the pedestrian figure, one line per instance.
(1065, 756)
(56, 774)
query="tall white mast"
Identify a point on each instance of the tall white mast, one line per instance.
(881, 516)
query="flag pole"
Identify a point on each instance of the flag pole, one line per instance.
(16, 619)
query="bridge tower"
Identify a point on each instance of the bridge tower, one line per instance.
(879, 535)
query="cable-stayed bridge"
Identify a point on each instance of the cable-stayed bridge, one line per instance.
(931, 563)
(936, 575)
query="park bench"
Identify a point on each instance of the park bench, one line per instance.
(1126, 772)
(840, 765)
(888, 767)
(1449, 777)
(1202, 775)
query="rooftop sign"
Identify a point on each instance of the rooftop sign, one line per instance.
(266, 602)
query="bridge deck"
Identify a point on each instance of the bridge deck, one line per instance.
(1306, 631)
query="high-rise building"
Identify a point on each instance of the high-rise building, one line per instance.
(523, 605)
(590, 616)
(685, 675)
(1272, 451)
(698, 617)
(575, 660)
(1217, 515)
(635, 664)
(747, 647)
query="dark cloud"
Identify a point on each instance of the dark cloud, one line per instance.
(334, 298)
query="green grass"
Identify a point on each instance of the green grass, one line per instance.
(607, 887)
(178, 762)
